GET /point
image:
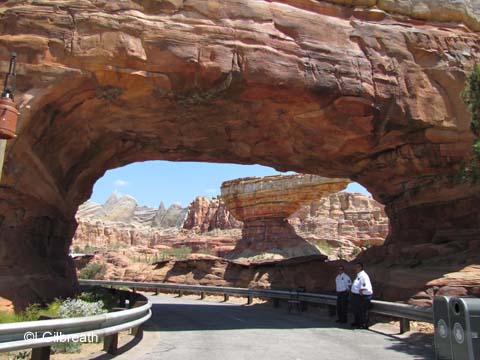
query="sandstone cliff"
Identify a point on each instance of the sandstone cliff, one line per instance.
(209, 214)
(362, 89)
(341, 219)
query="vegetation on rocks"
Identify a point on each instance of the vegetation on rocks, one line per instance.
(95, 302)
(471, 96)
(93, 270)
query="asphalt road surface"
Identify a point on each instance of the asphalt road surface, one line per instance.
(183, 329)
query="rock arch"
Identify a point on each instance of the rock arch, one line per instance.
(364, 92)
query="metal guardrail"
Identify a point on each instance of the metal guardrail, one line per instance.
(398, 310)
(41, 334)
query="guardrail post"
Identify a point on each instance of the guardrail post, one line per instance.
(156, 291)
(202, 296)
(250, 300)
(303, 306)
(42, 353)
(226, 297)
(110, 344)
(180, 293)
(137, 331)
(404, 325)
(122, 300)
(134, 290)
(276, 303)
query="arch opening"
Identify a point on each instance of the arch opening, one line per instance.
(96, 95)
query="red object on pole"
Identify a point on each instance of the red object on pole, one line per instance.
(8, 118)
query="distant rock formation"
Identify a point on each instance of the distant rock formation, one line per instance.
(125, 209)
(209, 214)
(173, 217)
(264, 204)
(343, 221)
(341, 218)
(122, 222)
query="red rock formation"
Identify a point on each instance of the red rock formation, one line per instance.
(206, 215)
(264, 204)
(341, 219)
(367, 92)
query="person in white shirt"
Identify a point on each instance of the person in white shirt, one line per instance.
(343, 283)
(362, 293)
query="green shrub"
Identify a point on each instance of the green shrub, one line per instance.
(471, 97)
(68, 347)
(92, 271)
(78, 307)
(20, 355)
(324, 247)
(99, 294)
(470, 170)
(356, 251)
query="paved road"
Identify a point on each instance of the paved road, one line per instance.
(183, 329)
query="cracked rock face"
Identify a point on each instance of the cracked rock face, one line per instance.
(364, 89)
(264, 204)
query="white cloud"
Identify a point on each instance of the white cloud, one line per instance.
(211, 191)
(121, 183)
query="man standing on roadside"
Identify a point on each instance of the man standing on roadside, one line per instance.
(343, 283)
(361, 297)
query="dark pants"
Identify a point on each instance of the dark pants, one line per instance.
(360, 306)
(342, 306)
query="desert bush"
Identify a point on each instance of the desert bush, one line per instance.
(78, 307)
(99, 294)
(324, 247)
(92, 271)
(470, 170)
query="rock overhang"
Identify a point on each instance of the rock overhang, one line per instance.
(308, 86)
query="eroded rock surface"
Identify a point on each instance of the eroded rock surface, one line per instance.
(209, 214)
(265, 204)
(341, 219)
(369, 92)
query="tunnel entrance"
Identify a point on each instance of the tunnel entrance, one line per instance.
(209, 86)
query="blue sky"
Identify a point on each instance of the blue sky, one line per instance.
(176, 182)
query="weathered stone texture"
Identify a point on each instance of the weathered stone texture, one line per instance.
(368, 93)
(209, 214)
(264, 204)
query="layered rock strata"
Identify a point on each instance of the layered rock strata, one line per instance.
(367, 90)
(209, 214)
(264, 204)
(343, 220)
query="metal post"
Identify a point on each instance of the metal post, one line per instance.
(42, 353)
(156, 291)
(137, 331)
(110, 344)
(3, 148)
(404, 326)
(202, 296)
(250, 300)
(180, 293)
(226, 297)
(276, 303)
(122, 300)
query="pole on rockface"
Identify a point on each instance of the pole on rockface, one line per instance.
(3, 147)
(8, 110)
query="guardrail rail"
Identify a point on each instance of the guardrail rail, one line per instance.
(405, 313)
(40, 335)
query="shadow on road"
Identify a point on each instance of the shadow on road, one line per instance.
(419, 345)
(204, 316)
(190, 316)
